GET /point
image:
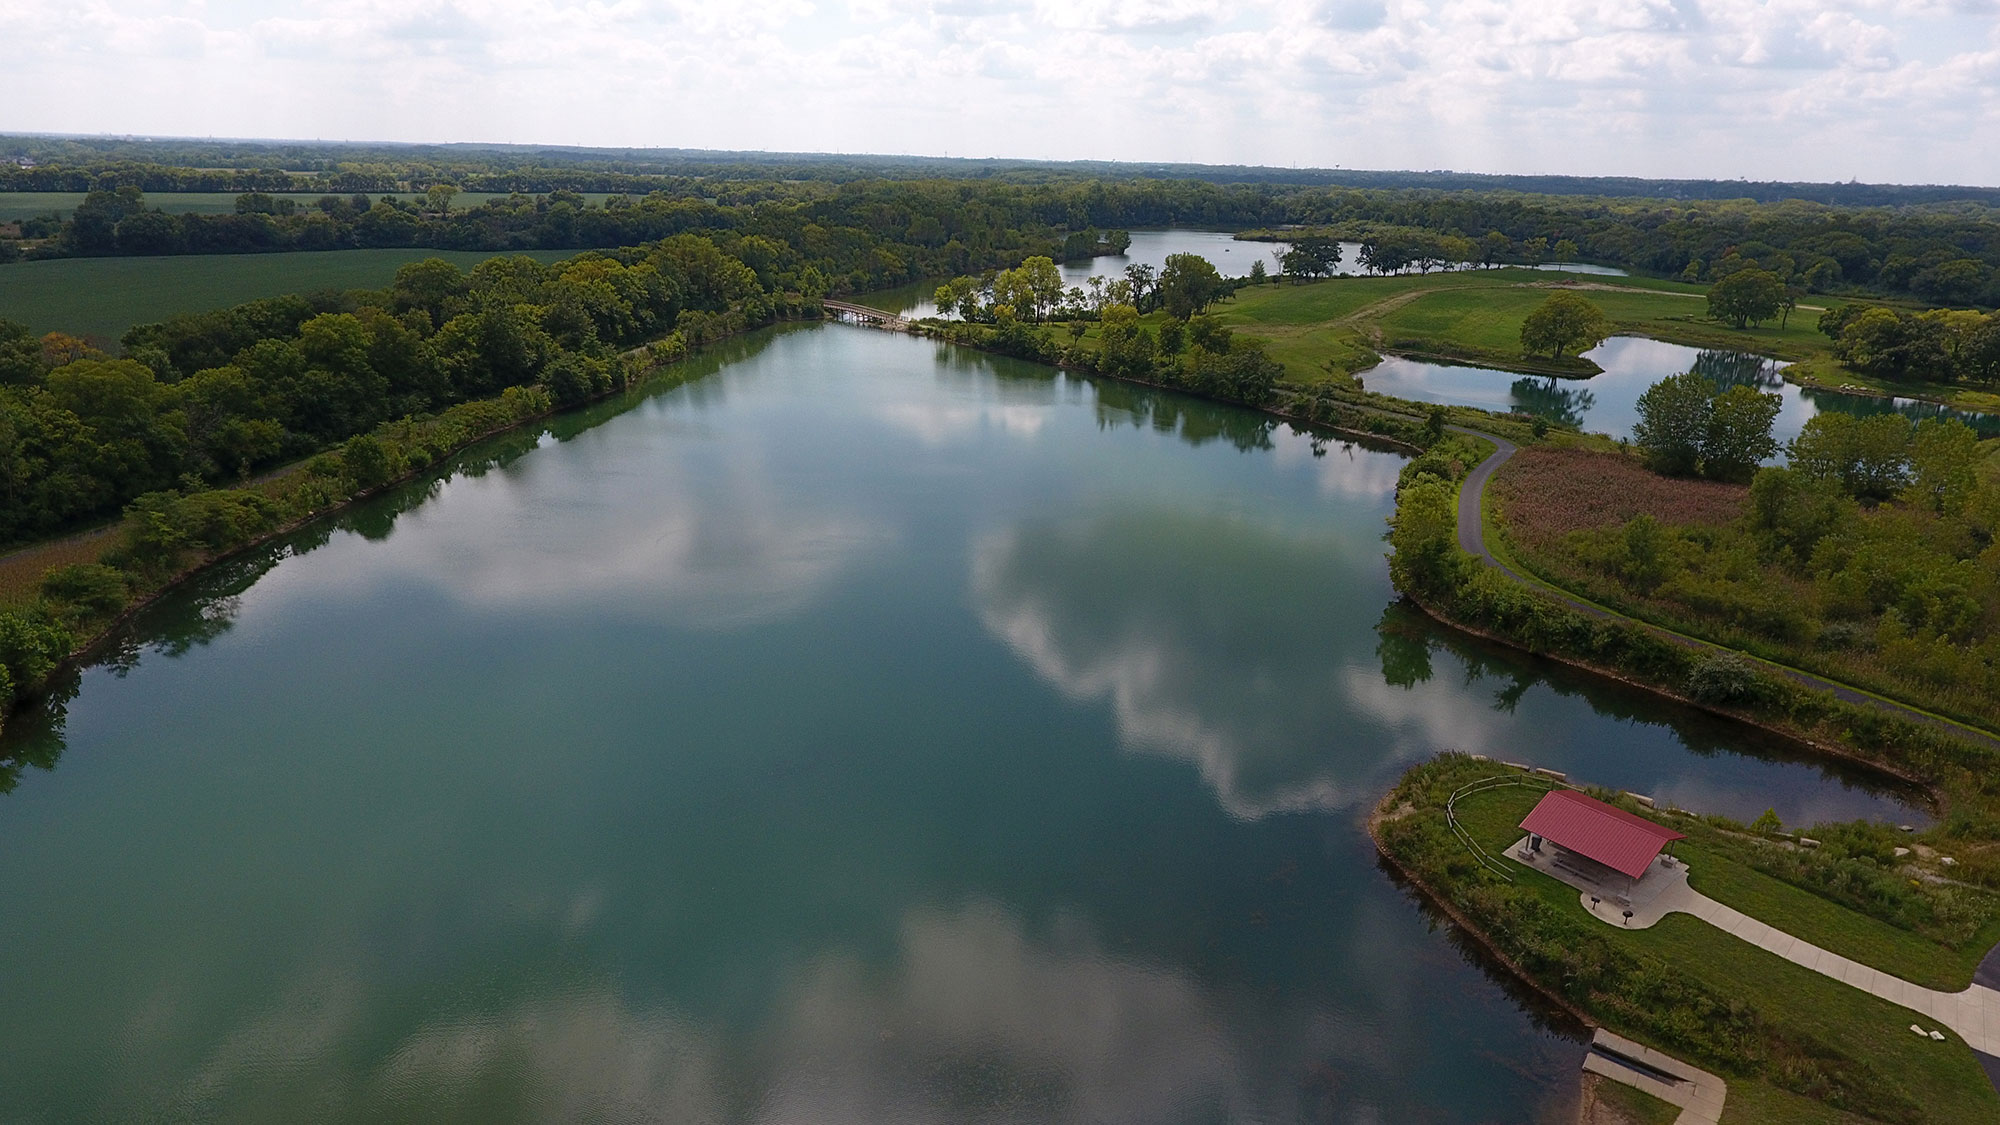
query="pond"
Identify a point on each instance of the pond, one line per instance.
(1608, 403)
(1231, 258)
(867, 731)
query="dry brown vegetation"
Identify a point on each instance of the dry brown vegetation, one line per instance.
(1545, 493)
(21, 571)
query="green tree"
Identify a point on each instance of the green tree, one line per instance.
(1944, 465)
(1867, 457)
(1565, 250)
(1144, 281)
(1673, 423)
(20, 353)
(1748, 296)
(1123, 347)
(439, 197)
(1313, 256)
(1739, 433)
(1423, 536)
(1564, 324)
(367, 462)
(1257, 272)
(1189, 283)
(1645, 553)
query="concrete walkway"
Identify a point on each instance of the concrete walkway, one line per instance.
(1699, 1093)
(1974, 1013)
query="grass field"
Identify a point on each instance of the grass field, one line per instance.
(1945, 1077)
(26, 204)
(99, 298)
(1333, 328)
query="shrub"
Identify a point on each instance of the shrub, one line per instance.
(1725, 677)
(93, 588)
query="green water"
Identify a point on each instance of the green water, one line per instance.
(863, 732)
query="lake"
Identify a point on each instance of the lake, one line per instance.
(866, 731)
(1230, 257)
(1609, 403)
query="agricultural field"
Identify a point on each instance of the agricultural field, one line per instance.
(17, 205)
(99, 298)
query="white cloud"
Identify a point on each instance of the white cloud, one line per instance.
(1882, 89)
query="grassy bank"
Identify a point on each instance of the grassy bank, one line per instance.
(1793, 1044)
(100, 298)
(1333, 329)
(1861, 613)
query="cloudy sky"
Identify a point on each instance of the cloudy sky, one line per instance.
(1891, 90)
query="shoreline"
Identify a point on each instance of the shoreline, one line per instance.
(1377, 816)
(81, 654)
(1940, 805)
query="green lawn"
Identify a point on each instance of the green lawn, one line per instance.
(1331, 328)
(25, 204)
(1945, 1077)
(99, 298)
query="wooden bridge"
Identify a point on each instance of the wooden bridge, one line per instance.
(862, 314)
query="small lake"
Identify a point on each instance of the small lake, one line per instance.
(866, 731)
(1608, 403)
(1231, 258)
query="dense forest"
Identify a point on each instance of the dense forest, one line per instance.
(887, 231)
(215, 397)
(75, 164)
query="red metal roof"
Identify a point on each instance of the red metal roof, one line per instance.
(1608, 834)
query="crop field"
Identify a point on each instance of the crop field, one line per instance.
(99, 298)
(16, 205)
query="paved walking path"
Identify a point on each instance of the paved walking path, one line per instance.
(1973, 1013)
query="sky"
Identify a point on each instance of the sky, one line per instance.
(1901, 91)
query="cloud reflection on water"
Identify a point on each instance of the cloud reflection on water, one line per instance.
(971, 1018)
(1209, 637)
(709, 537)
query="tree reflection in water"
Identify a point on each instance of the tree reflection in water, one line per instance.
(1738, 369)
(1408, 640)
(1549, 397)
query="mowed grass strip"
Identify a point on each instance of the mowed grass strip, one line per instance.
(1327, 329)
(1946, 1076)
(100, 298)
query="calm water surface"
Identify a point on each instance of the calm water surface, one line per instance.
(1609, 403)
(1230, 257)
(866, 732)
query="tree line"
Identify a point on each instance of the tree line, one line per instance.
(43, 163)
(1940, 254)
(211, 398)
